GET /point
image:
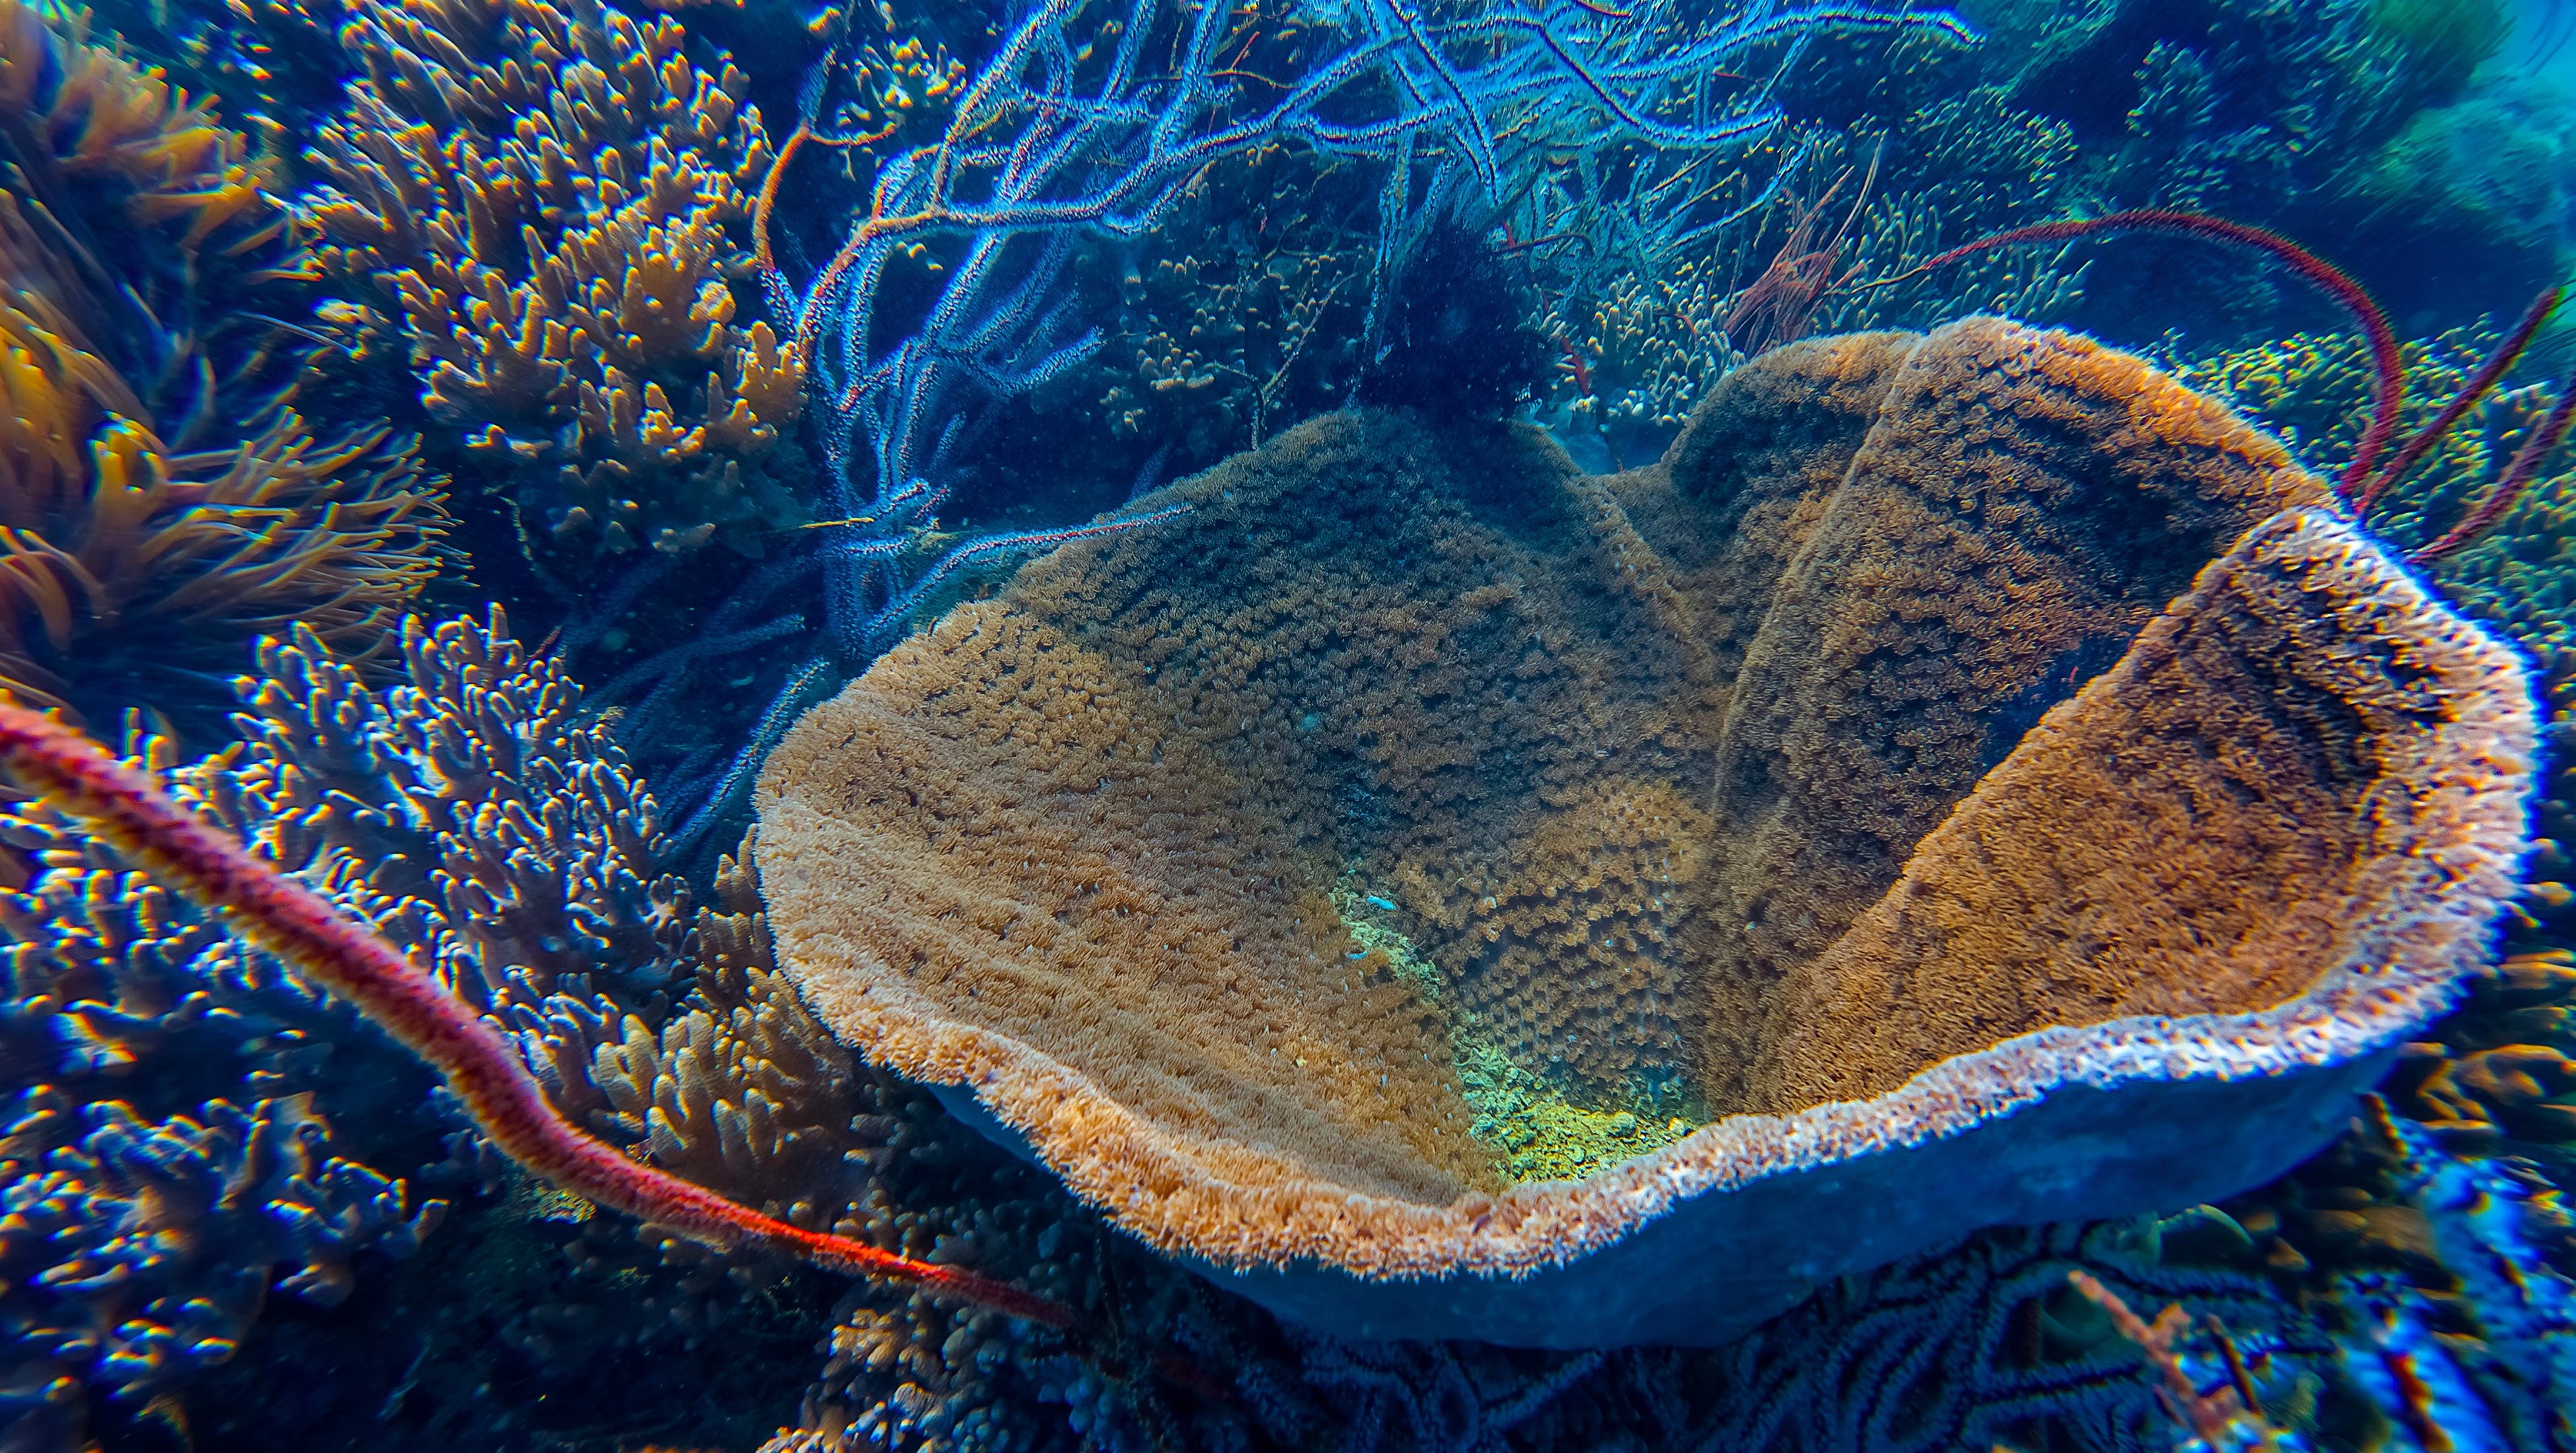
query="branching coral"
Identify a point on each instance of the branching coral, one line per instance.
(741, 1088)
(1231, 333)
(142, 1234)
(119, 987)
(1644, 342)
(513, 858)
(139, 1252)
(551, 202)
(129, 811)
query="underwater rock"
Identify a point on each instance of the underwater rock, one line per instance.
(1978, 778)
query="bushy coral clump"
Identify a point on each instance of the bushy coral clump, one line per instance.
(161, 504)
(461, 813)
(548, 206)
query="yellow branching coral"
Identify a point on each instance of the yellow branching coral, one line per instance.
(553, 201)
(743, 1089)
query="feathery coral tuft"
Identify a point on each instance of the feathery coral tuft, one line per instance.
(160, 504)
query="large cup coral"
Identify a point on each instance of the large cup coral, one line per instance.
(1978, 778)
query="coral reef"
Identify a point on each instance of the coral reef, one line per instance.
(1432, 110)
(130, 812)
(547, 205)
(148, 1247)
(470, 819)
(1644, 345)
(1386, 654)
(555, 239)
(116, 178)
(2516, 577)
(144, 546)
(1980, 1344)
(136, 574)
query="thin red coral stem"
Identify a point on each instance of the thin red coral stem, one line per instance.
(2517, 477)
(2388, 374)
(2478, 387)
(128, 810)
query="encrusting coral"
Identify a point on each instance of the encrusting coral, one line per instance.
(1100, 820)
(140, 550)
(548, 204)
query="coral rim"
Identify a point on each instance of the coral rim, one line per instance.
(2405, 957)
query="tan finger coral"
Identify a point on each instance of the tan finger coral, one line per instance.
(1975, 778)
(555, 202)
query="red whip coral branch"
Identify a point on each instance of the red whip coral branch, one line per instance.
(2388, 374)
(2227, 1418)
(2478, 387)
(2517, 475)
(129, 810)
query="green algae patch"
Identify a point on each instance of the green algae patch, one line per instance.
(1533, 1130)
(1540, 1135)
(1374, 937)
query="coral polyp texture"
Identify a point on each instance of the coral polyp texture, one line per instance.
(548, 204)
(1974, 778)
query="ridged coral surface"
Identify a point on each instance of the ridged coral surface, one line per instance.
(1851, 769)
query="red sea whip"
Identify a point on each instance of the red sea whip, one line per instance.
(128, 810)
(2388, 374)
(2362, 482)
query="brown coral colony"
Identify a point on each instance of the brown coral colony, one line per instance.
(1946, 723)
(548, 204)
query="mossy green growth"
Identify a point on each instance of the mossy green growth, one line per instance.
(1534, 1131)
(1538, 1134)
(1373, 936)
